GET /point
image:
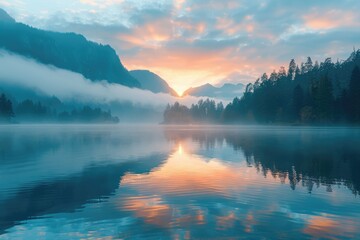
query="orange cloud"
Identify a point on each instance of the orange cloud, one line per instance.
(231, 28)
(331, 19)
(179, 4)
(149, 35)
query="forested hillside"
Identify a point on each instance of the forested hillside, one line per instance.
(309, 93)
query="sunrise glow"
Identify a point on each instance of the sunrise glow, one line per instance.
(172, 41)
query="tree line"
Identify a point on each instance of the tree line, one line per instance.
(28, 110)
(205, 111)
(309, 93)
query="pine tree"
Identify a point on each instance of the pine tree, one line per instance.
(273, 77)
(308, 65)
(297, 72)
(302, 68)
(282, 72)
(264, 77)
(292, 69)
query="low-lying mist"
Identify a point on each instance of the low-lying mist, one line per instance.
(72, 88)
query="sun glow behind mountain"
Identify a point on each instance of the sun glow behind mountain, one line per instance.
(189, 43)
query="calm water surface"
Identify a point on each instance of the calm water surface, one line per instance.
(121, 182)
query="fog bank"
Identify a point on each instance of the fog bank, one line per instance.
(69, 86)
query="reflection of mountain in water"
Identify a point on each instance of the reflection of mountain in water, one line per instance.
(303, 156)
(46, 170)
(70, 193)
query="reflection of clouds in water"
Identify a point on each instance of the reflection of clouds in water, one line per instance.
(174, 194)
(329, 227)
(153, 210)
(202, 192)
(185, 173)
(183, 179)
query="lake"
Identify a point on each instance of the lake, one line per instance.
(157, 182)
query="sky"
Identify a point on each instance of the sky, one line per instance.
(193, 42)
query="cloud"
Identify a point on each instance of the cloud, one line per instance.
(331, 19)
(192, 42)
(101, 3)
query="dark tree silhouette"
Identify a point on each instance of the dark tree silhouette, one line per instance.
(354, 95)
(324, 100)
(205, 111)
(29, 109)
(308, 65)
(292, 69)
(325, 93)
(298, 101)
(6, 109)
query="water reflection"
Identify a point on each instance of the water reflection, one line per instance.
(222, 182)
(306, 156)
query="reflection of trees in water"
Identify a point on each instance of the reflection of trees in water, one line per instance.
(303, 156)
(207, 140)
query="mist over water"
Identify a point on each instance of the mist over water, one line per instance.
(81, 181)
(47, 80)
(44, 83)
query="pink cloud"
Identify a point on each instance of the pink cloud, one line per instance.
(331, 19)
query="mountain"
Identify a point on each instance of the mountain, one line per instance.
(152, 82)
(5, 17)
(228, 91)
(68, 51)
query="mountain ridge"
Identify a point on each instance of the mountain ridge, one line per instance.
(152, 82)
(68, 51)
(226, 91)
(5, 17)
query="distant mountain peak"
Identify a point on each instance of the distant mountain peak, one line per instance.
(227, 91)
(5, 17)
(152, 82)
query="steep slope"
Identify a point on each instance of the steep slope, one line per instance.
(228, 91)
(151, 81)
(5, 17)
(69, 51)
